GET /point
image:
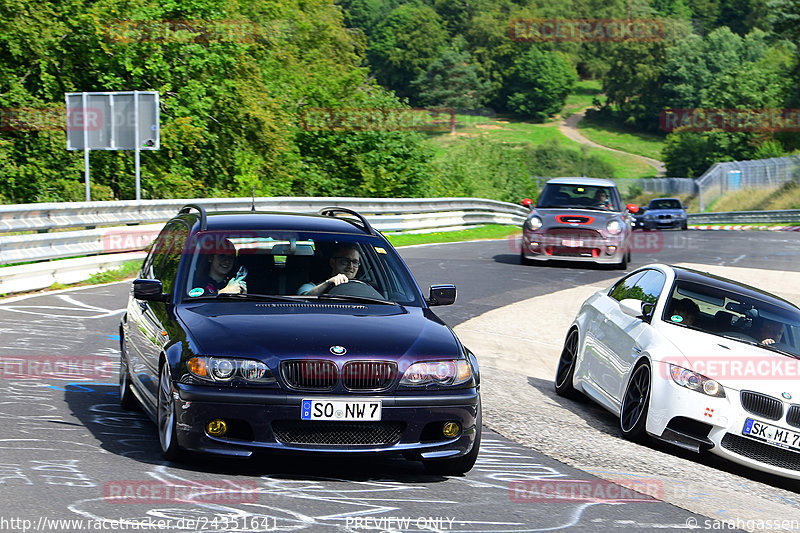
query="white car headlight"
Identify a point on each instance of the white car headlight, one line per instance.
(614, 227)
(534, 223)
(696, 382)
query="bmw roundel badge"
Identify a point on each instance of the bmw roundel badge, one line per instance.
(787, 395)
(338, 350)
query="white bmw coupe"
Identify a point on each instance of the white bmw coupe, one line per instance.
(693, 359)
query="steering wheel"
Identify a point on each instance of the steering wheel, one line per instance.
(355, 287)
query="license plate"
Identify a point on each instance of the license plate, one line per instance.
(572, 243)
(344, 410)
(777, 436)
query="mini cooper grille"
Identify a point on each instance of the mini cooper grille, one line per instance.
(763, 453)
(338, 433)
(310, 374)
(369, 375)
(793, 416)
(762, 405)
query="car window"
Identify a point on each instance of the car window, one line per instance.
(284, 263)
(729, 314)
(648, 288)
(167, 269)
(153, 264)
(620, 291)
(665, 204)
(578, 196)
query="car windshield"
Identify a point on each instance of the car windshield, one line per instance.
(578, 196)
(665, 204)
(736, 316)
(285, 265)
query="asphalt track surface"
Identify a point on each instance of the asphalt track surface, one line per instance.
(69, 453)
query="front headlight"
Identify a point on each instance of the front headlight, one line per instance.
(223, 369)
(696, 382)
(453, 372)
(533, 223)
(614, 227)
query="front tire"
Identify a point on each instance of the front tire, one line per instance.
(635, 403)
(167, 434)
(524, 260)
(460, 465)
(565, 371)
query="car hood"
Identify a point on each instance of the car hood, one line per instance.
(277, 331)
(736, 365)
(599, 218)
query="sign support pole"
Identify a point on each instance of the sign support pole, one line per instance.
(86, 147)
(137, 147)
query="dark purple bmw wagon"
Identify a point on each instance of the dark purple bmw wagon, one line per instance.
(295, 333)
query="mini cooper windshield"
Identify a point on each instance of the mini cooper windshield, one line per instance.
(735, 316)
(577, 197)
(295, 265)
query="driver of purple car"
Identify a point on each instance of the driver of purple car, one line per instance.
(344, 262)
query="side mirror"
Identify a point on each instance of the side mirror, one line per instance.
(685, 207)
(633, 208)
(442, 295)
(527, 202)
(637, 308)
(148, 289)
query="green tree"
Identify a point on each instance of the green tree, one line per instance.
(451, 81)
(404, 44)
(540, 84)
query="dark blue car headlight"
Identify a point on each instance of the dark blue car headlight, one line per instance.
(447, 373)
(225, 370)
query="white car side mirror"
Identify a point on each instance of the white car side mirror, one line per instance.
(632, 307)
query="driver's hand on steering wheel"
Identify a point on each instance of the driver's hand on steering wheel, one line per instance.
(338, 279)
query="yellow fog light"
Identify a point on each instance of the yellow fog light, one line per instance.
(451, 429)
(217, 428)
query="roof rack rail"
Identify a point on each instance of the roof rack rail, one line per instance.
(203, 215)
(333, 211)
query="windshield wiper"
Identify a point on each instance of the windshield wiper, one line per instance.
(361, 299)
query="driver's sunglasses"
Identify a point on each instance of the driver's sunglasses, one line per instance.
(346, 261)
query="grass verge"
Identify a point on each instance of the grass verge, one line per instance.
(619, 138)
(491, 231)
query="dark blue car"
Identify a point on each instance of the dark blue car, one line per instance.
(662, 213)
(236, 340)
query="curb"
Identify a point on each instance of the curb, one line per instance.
(740, 227)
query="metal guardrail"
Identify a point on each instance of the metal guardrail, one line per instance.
(145, 219)
(791, 216)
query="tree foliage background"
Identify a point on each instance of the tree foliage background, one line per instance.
(234, 96)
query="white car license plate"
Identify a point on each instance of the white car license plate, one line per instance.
(572, 243)
(343, 410)
(777, 436)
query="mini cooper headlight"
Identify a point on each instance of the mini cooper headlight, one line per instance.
(696, 382)
(533, 223)
(614, 227)
(453, 372)
(224, 369)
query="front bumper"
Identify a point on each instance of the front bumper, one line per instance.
(270, 421)
(545, 246)
(673, 406)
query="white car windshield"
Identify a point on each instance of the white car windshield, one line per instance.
(732, 315)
